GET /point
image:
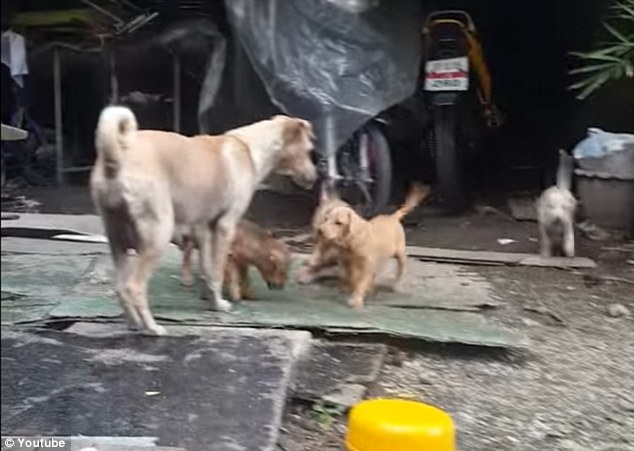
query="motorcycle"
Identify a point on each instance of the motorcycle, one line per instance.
(454, 60)
(360, 171)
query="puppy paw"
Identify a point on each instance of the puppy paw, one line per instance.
(222, 305)
(187, 282)
(156, 331)
(304, 276)
(355, 303)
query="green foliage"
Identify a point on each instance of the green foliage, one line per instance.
(612, 59)
(326, 414)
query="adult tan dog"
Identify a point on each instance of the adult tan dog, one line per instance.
(251, 246)
(145, 182)
(365, 246)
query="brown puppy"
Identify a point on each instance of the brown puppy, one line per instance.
(325, 254)
(252, 246)
(365, 246)
(145, 182)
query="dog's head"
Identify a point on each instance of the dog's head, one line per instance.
(326, 204)
(341, 225)
(274, 269)
(297, 145)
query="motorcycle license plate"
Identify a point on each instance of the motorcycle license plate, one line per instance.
(447, 75)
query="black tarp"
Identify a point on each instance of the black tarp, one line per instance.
(316, 58)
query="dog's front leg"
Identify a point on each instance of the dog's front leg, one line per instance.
(232, 280)
(205, 241)
(245, 282)
(218, 244)
(569, 240)
(362, 278)
(544, 242)
(322, 257)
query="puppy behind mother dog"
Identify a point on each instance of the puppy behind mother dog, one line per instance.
(144, 182)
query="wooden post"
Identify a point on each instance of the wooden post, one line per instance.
(59, 138)
(177, 93)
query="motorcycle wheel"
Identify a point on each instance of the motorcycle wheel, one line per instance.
(449, 165)
(380, 168)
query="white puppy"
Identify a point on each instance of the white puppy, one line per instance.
(555, 213)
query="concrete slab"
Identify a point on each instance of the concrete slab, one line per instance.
(338, 373)
(218, 391)
(48, 224)
(13, 245)
(501, 258)
(299, 341)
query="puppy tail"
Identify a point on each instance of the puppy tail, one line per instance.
(565, 170)
(416, 195)
(113, 136)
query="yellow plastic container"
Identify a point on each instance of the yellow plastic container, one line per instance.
(399, 425)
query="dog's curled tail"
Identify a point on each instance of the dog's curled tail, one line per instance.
(416, 195)
(113, 136)
(565, 170)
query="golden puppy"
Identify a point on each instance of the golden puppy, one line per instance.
(146, 182)
(365, 246)
(252, 246)
(325, 254)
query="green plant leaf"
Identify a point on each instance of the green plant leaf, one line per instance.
(614, 32)
(594, 86)
(609, 60)
(628, 8)
(591, 68)
(601, 56)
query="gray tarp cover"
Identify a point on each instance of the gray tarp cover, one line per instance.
(316, 58)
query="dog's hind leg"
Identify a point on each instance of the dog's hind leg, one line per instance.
(186, 268)
(118, 230)
(143, 267)
(568, 246)
(153, 238)
(121, 261)
(546, 246)
(401, 260)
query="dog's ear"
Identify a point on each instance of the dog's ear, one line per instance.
(356, 230)
(296, 129)
(351, 223)
(308, 127)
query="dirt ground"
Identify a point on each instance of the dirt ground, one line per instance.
(573, 389)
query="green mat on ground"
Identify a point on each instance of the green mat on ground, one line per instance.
(79, 287)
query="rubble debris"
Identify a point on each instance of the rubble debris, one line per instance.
(593, 231)
(618, 311)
